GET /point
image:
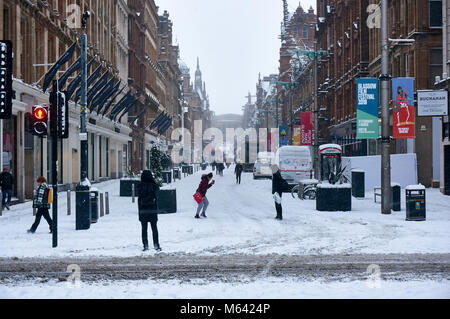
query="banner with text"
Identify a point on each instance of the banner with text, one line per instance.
(284, 135)
(306, 125)
(367, 108)
(403, 108)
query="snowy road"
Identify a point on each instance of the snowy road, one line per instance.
(239, 246)
(231, 268)
(240, 221)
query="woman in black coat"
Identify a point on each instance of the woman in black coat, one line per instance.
(148, 208)
(279, 184)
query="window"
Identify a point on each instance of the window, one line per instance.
(435, 64)
(305, 32)
(435, 13)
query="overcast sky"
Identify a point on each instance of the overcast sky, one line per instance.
(234, 39)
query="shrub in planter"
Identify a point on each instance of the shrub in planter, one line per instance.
(333, 198)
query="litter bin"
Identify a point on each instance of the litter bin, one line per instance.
(191, 170)
(204, 166)
(167, 177)
(415, 202)
(94, 205)
(83, 208)
(167, 201)
(395, 197)
(358, 189)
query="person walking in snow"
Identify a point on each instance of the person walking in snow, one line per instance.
(205, 184)
(40, 202)
(221, 167)
(148, 208)
(238, 172)
(6, 182)
(279, 184)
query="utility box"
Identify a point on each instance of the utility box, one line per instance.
(395, 197)
(415, 202)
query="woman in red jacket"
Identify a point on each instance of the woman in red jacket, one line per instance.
(202, 189)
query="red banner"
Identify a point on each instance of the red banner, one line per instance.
(403, 108)
(306, 128)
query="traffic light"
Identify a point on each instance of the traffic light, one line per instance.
(6, 92)
(39, 123)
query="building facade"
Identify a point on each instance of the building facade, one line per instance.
(41, 31)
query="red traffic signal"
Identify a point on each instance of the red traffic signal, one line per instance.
(39, 120)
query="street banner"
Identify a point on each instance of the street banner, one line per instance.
(403, 108)
(367, 108)
(432, 103)
(297, 137)
(306, 127)
(283, 130)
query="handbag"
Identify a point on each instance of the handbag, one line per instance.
(277, 198)
(198, 197)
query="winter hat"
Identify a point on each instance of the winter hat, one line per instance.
(210, 175)
(274, 168)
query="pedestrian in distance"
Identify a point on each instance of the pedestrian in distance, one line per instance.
(205, 184)
(41, 202)
(238, 172)
(279, 185)
(6, 182)
(221, 168)
(148, 208)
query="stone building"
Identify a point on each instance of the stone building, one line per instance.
(297, 37)
(41, 31)
(343, 36)
(443, 82)
(420, 21)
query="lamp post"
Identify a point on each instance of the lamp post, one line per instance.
(385, 137)
(82, 200)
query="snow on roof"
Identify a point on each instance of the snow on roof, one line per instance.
(183, 67)
(330, 146)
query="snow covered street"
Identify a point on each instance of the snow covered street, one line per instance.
(240, 220)
(308, 252)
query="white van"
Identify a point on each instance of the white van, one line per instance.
(295, 163)
(262, 165)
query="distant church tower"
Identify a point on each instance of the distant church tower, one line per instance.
(198, 78)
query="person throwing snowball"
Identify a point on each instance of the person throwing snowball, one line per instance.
(201, 199)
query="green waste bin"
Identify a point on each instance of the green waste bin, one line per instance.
(415, 202)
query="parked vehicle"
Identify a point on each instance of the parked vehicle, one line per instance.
(262, 165)
(295, 163)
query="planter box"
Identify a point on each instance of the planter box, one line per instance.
(332, 198)
(167, 201)
(126, 186)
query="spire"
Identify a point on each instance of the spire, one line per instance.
(198, 64)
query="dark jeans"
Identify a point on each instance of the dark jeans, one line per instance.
(145, 234)
(7, 193)
(279, 208)
(42, 212)
(238, 178)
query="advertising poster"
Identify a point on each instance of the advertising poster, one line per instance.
(403, 108)
(306, 128)
(367, 108)
(297, 138)
(284, 135)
